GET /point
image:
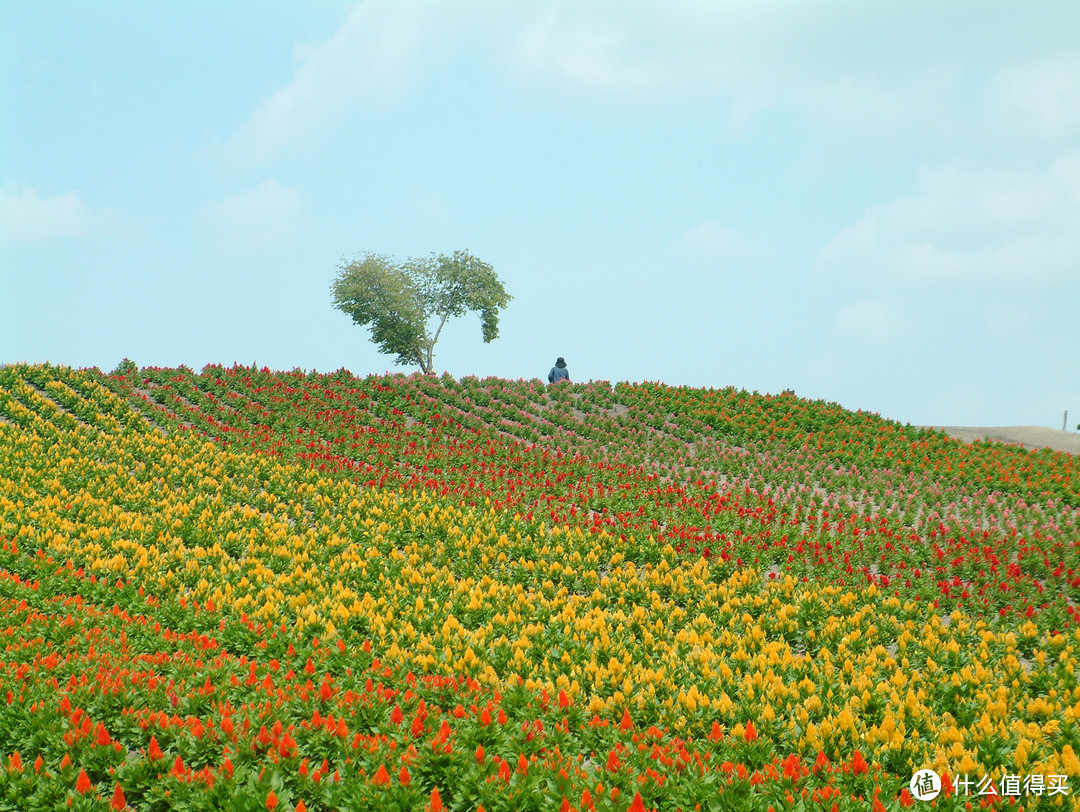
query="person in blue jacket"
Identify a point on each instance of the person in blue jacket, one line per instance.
(559, 372)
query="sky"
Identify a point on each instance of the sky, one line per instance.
(875, 204)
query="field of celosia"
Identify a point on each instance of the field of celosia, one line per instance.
(251, 590)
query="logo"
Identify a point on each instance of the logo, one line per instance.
(925, 785)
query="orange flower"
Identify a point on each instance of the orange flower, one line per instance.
(750, 733)
(82, 783)
(435, 803)
(301, 806)
(271, 801)
(404, 776)
(793, 767)
(821, 762)
(381, 777)
(119, 802)
(637, 805)
(858, 764)
(613, 761)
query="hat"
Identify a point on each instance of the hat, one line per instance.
(559, 362)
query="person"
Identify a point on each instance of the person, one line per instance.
(559, 372)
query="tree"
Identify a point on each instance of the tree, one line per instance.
(408, 304)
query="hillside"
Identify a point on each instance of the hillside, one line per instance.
(500, 594)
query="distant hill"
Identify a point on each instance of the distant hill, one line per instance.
(1027, 436)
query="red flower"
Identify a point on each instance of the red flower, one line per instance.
(626, 722)
(82, 783)
(381, 777)
(404, 776)
(271, 801)
(717, 733)
(636, 805)
(750, 734)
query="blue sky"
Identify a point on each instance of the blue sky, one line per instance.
(875, 204)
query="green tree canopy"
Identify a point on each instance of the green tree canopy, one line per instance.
(407, 304)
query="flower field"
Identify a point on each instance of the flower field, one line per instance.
(252, 590)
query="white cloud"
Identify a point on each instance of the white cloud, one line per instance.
(712, 240)
(868, 320)
(968, 225)
(1040, 98)
(597, 52)
(374, 54)
(877, 78)
(25, 216)
(268, 216)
